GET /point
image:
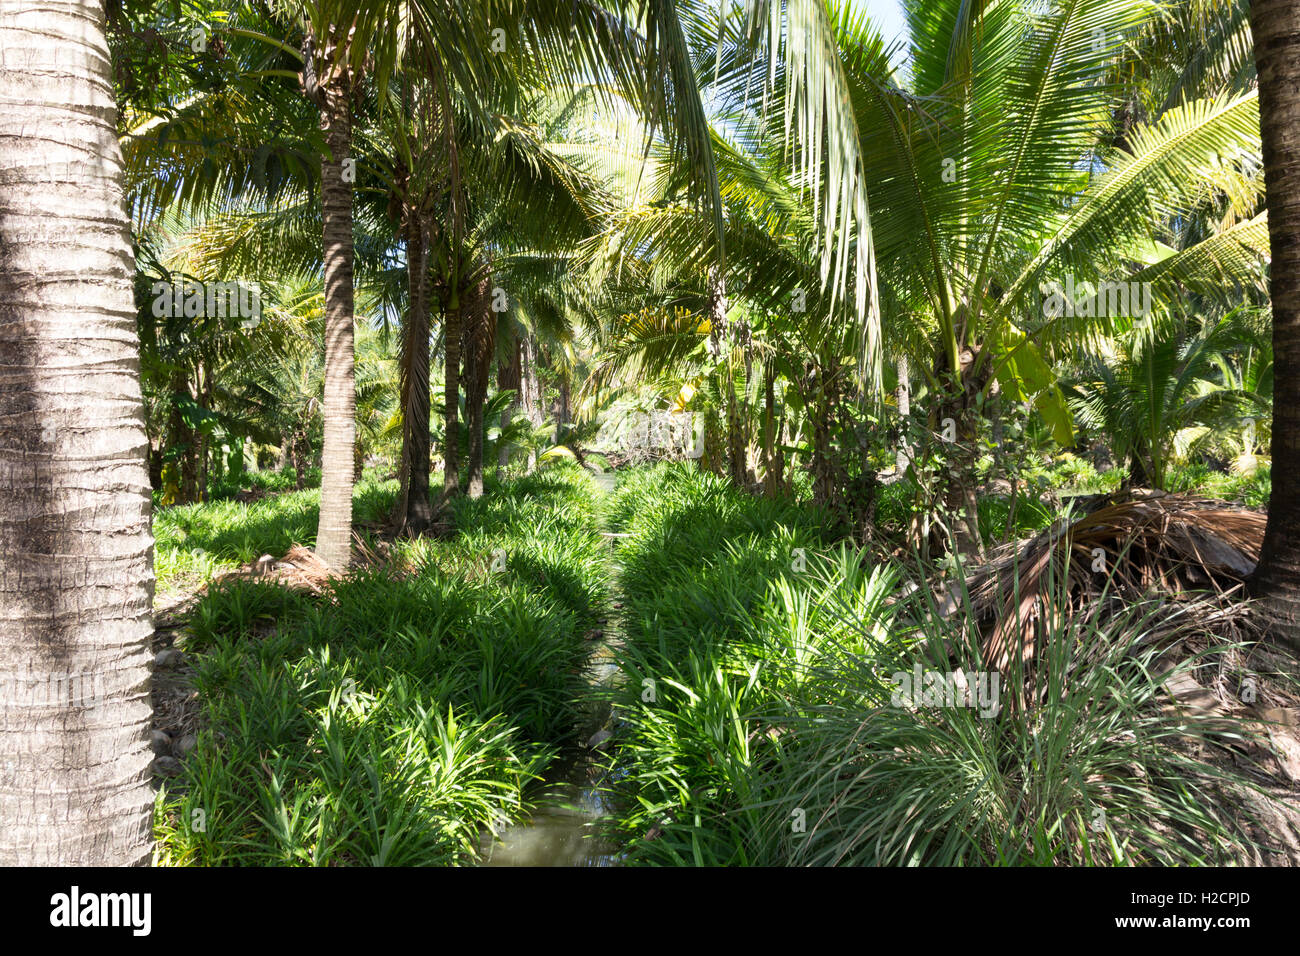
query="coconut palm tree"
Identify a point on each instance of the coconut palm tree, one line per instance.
(1005, 171)
(76, 587)
(1158, 384)
(1275, 25)
(333, 64)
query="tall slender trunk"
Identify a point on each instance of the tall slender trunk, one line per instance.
(180, 438)
(474, 393)
(771, 476)
(742, 471)
(782, 439)
(204, 388)
(418, 514)
(531, 390)
(1275, 25)
(903, 456)
(398, 513)
(76, 572)
(714, 458)
(480, 343)
(451, 393)
(960, 483)
(562, 406)
(334, 535)
(300, 455)
(821, 400)
(509, 380)
(721, 346)
(823, 484)
(737, 466)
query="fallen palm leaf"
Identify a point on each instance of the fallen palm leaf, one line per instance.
(1122, 551)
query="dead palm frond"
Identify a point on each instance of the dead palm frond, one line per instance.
(1117, 554)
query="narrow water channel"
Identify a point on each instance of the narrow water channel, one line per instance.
(564, 828)
(562, 831)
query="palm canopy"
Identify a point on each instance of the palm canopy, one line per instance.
(1161, 387)
(998, 170)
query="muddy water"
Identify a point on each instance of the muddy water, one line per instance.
(564, 829)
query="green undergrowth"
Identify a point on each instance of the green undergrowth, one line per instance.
(391, 719)
(1039, 500)
(193, 544)
(398, 715)
(761, 722)
(1250, 490)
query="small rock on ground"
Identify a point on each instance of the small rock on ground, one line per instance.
(168, 658)
(166, 766)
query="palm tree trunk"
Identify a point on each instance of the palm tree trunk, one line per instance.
(180, 439)
(480, 343)
(771, 477)
(741, 441)
(714, 458)
(960, 497)
(1275, 25)
(782, 482)
(823, 478)
(418, 513)
(334, 535)
(76, 577)
(736, 465)
(508, 380)
(451, 400)
(903, 456)
(300, 456)
(475, 394)
(721, 346)
(531, 389)
(562, 406)
(204, 388)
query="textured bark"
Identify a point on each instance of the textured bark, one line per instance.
(771, 468)
(475, 396)
(509, 375)
(76, 576)
(300, 457)
(204, 401)
(180, 439)
(714, 458)
(721, 346)
(562, 414)
(334, 535)
(530, 389)
(480, 343)
(823, 473)
(155, 468)
(737, 465)
(451, 398)
(415, 387)
(903, 456)
(742, 468)
(1275, 25)
(960, 497)
(783, 437)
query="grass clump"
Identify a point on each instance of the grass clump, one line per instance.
(762, 721)
(193, 544)
(393, 718)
